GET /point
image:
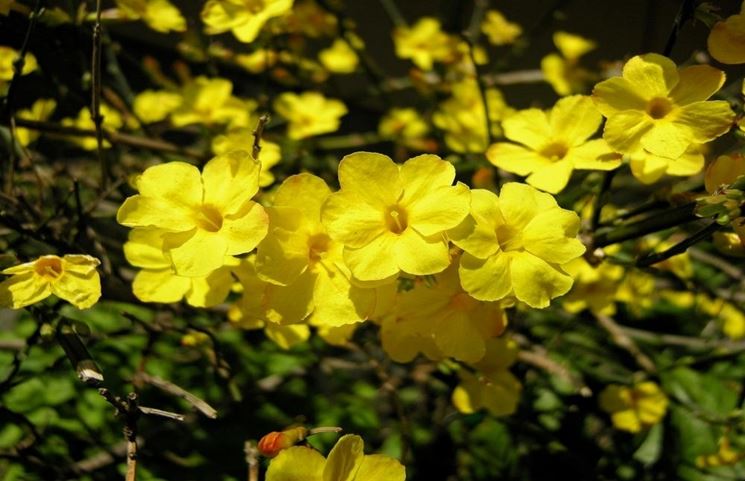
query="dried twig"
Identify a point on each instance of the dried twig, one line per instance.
(538, 357)
(96, 95)
(129, 410)
(175, 390)
(252, 459)
(624, 341)
(257, 133)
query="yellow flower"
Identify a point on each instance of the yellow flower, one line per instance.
(634, 408)
(210, 101)
(160, 15)
(731, 318)
(726, 40)
(649, 168)
(257, 61)
(594, 287)
(73, 278)
(309, 113)
(498, 29)
(725, 456)
(42, 109)
(155, 105)
(345, 462)
(244, 18)
(563, 71)
(493, 388)
(8, 56)
(157, 281)
(424, 43)
(723, 171)
(463, 117)
(516, 244)
(404, 125)
(112, 120)
(339, 58)
(392, 218)
(298, 250)
(554, 143)
(439, 319)
(242, 138)
(657, 107)
(203, 217)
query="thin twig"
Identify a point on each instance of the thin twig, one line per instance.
(96, 96)
(622, 340)
(538, 357)
(394, 13)
(175, 390)
(129, 410)
(686, 11)
(252, 459)
(680, 247)
(600, 199)
(683, 341)
(257, 133)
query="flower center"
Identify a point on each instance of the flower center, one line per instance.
(555, 151)
(255, 6)
(209, 218)
(318, 245)
(659, 107)
(396, 219)
(462, 302)
(49, 267)
(509, 238)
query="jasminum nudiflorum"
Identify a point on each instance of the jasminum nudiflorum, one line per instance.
(550, 145)
(393, 218)
(203, 217)
(633, 408)
(309, 113)
(516, 244)
(658, 108)
(244, 18)
(72, 277)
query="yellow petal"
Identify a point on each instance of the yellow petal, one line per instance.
(652, 74)
(572, 46)
(616, 95)
(282, 256)
(726, 41)
(624, 130)
(211, 290)
(195, 253)
(22, 290)
(288, 304)
(374, 261)
(351, 221)
(552, 177)
(141, 211)
(574, 119)
(177, 182)
(648, 168)
(338, 302)
(706, 120)
(82, 291)
(344, 460)
(596, 155)
(372, 177)
(535, 282)
(486, 279)
(421, 174)
(305, 192)
(244, 229)
(377, 467)
(520, 203)
(697, 83)
(298, 463)
(667, 139)
(529, 127)
(161, 285)
(690, 163)
(439, 209)
(515, 158)
(458, 338)
(501, 393)
(286, 337)
(551, 236)
(420, 255)
(230, 180)
(476, 234)
(144, 248)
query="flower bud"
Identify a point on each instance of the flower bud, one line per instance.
(724, 170)
(271, 444)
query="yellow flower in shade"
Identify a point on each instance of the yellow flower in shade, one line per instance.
(634, 408)
(242, 138)
(339, 58)
(112, 120)
(562, 70)
(160, 15)
(245, 18)
(727, 39)
(309, 113)
(346, 462)
(155, 105)
(553, 144)
(516, 244)
(424, 43)
(492, 387)
(730, 317)
(403, 125)
(725, 456)
(309, 19)
(298, 250)
(392, 218)
(257, 61)
(8, 56)
(204, 217)
(498, 29)
(42, 109)
(157, 281)
(210, 101)
(649, 168)
(73, 278)
(662, 109)
(723, 171)
(594, 287)
(439, 319)
(463, 117)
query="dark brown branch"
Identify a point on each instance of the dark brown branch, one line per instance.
(625, 342)
(258, 132)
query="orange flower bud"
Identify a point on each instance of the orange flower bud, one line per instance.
(271, 444)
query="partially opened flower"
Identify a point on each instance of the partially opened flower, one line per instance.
(662, 109)
(204, 217)
(498, 29)
(160, 15)
(211, 101)
(392, 218)
(244, 18)
(73, 278)
(309, 113)
(424, 43)
(726, 40)
(340, 57)
(346, 462)
(515, 245)
(550, 145)
(562, 70)
(633, 408)
(42, 109)
(243, 138)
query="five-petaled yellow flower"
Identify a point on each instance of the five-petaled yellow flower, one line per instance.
(392, 218)
(244, 18)
(73, 278)
(309, 113)
(553, 144)
(516, 244)
(204, 217)
(424, 43)
(659, 108)
(634, 408)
